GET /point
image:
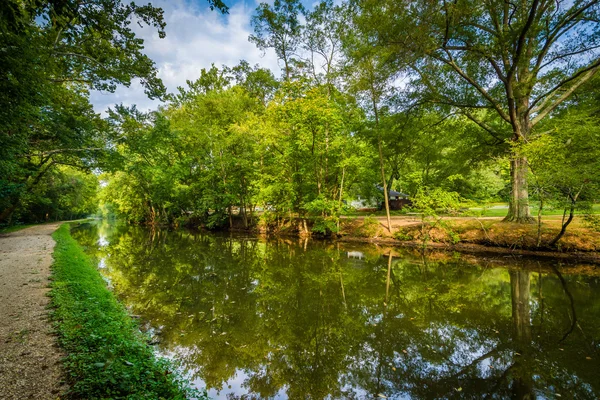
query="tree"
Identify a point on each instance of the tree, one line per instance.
(260, 83)
(66, 48)
(53, 52)
(66, 132)
(565, 160)
(65, 193)
(322, 40)
(279, 28)
(373, 80)
(307, 145)
(196, 159)
(519, 61)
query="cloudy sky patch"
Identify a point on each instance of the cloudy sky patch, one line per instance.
(196, 38)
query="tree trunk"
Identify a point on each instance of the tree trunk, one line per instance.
(340, 198)
(539, 220)
(564, 225)
(387, 281)
(385, 188)
(518, 208)
(7, 212)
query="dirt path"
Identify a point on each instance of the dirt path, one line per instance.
(29, 357)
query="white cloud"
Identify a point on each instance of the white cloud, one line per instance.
(196, 38)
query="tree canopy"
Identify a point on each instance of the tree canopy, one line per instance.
(494, 101)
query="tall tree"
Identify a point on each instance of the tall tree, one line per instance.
(519, 60)
(278, 27)
(565, 161)
(53, 52)
(322, 40)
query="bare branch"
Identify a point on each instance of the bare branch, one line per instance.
(483, 125)
(493, 63)
(63, 80)
(583, 75)
(558, 31)
(473, 83)
(51, 152)
(521, 42)
(565, 55)
(79, 56)
(449, 102)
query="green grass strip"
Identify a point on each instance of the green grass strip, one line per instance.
(107, 356)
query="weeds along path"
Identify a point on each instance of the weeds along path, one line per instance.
(29, 356)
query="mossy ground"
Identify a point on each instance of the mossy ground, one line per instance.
(107, 356)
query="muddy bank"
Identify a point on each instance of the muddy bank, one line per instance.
(478, 236)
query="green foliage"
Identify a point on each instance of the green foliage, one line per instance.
(504, 67)
(327, 215)
(431, 204)
(107, 356)
(64, 193)
(337, 125)
(564, 159)
(220, 149)
(53, 53)
(401, 235)
(592, 221)
(277, 26)
(370, 227)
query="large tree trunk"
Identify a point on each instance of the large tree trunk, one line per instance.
(518, 208)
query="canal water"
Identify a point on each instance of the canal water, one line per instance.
(251, 318)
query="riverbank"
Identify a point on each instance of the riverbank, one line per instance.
(486, 234)
(29, 356)
(107, 355)
(247, 314)
(466, 234)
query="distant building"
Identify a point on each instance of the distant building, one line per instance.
(397, 201)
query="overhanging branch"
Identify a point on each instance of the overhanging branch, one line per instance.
(545, 108)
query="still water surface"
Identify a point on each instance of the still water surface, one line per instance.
(251, 318)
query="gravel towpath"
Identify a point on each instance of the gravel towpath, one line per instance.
(29, 356)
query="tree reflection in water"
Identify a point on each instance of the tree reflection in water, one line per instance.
(251, 318)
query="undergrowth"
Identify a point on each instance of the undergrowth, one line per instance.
(107, 356)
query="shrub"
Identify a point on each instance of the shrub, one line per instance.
(369, 227)
(401, 235)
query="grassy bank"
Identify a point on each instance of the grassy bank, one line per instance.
(107, 356)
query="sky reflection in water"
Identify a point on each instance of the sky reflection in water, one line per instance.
(250, 318)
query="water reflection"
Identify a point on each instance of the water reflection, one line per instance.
(250, 318)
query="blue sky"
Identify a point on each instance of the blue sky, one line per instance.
(196, 38)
